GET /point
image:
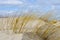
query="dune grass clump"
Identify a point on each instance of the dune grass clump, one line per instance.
(42, 26)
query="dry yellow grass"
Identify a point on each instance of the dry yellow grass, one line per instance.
(48, 30)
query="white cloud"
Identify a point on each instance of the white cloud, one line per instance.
(13, 2)
(6, 13)
(53, 7)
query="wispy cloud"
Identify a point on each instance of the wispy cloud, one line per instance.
(12, 2)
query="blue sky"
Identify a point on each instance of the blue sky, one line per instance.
(10, 6)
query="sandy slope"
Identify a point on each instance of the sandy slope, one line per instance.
(5, 36)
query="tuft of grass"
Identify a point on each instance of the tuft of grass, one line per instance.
(41, 26)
